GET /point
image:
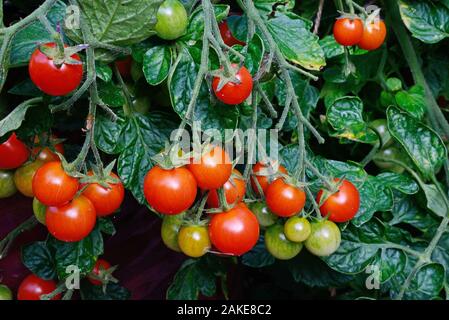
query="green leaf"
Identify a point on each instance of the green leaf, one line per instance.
(435, 201)
(104, 72)
(156, 64)
(110, 94)
(441, 252)
(413, 101)
(389, 262)
(38, 259)
(345, 116)
(238, 25)
(13, 120)
(196, 22)
(427, 283)
(400, 182)
(428, 21)
(258, 257)
(26, 88)
(266, 6)
(106, 226)
(113, 291)
(295, 40)
(254, 56)
(330, 47)
(422, 144)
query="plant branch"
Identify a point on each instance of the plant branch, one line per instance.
(6, 242)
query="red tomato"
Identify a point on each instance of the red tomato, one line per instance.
(51, 79)
(13, 153)
(100, 266)
(284, 199)
(32, 287)
(105, 200)
(45, 154)
(170, 191)
(52, 186)
(264, 181)
(342, 205)
(227, 36)
(234, 232)
(212, 170)
(234, 191)
(347, 31)
(124, 66)
(373, 35)
(73, 221)
(232, 92)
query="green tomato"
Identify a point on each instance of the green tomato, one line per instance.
(172, 20)
(142, 104)
(5, 293)
(194, 240)
(381, 159)
(297, 229)
(170, 230)
(7, 186)
(278, 245)
(265, 217)
(39, 210)
(380, 126)
(324, 239)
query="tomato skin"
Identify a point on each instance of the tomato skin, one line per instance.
(7, 186)
(227, 36)
(389, 153)
(53, 80)
(234, 93)
(73, 221)
(342, 205)
(374, 35)
(297, 229)
(100, 265)
(212, 170)
(265, 217)
(13, 153)
(283, 199)
(106, 201)
(347, 31)
(170, 230)
(124, 66)
(172, 20)
(46, 154)
(39, 210)
(170, 191)
(234, 232)
(32, 287)
(5, 293)
(381, 127)
(52, 186)
(194, 241)
(23, 177)
(324, 239)
(234, 191)
(278, 245)
(264, 181)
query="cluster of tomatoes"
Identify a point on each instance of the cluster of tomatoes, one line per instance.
(351, 31)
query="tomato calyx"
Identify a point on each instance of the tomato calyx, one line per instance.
(225, 78)
(373, 17)
(102, 177)
(104, 276)
(61, 56)
(332, 187)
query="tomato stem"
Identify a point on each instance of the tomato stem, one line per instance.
(202, 204)
(223, 201)
(6, 242)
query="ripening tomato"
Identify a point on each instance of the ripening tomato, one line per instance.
(98, 271)
(324, 239)
(53, 186)
(265, 217)
(212, 170)
(172, 20)
(13, 153)
(234, 232)
(170, 230)
(265, 179)
(227, 36)
(374, 35)
(234, 188)
(284, 199)
(170, 191)
(32, 287)
(381, 128)
(278, 245)
(73, 221)
(45, 154)
(105, 200)
(232, 92)
(52, 79)
(348, 31)
(39, 210)
(343, 205)
(23, 177)
(297, 229)
(7, 186)
(124, 66)
(194, 241)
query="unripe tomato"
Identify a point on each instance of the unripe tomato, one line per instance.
(324, 239)
(5, 293)
(13, 153)
(234, 232)
(265, 217)
(233, 92)
(105, 200)
(343, 205)
(213, 169)
(52, 79)
(234, 188)
(7, 186)
(100, 266)
(170, 191)
(227, 36)
(33, 287)
(172, 20)
(170, 230)
(347, 31)
(264, 180)
(381, 127)
(39, 210)
(53, 186)
(194, 241)
(283, 199)
(297, 229)
(278, 245)
(374, 35)
(391, 153)
(23, 177)
(73, 221)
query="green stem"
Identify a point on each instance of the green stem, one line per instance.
(369, 157)
(340, 5)
(202, 204)
(55, 35)
(222, 197)
(329, 185)
(271, 110)
(351, 6)
(251, 146)
(128, 106)
(6, 242)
